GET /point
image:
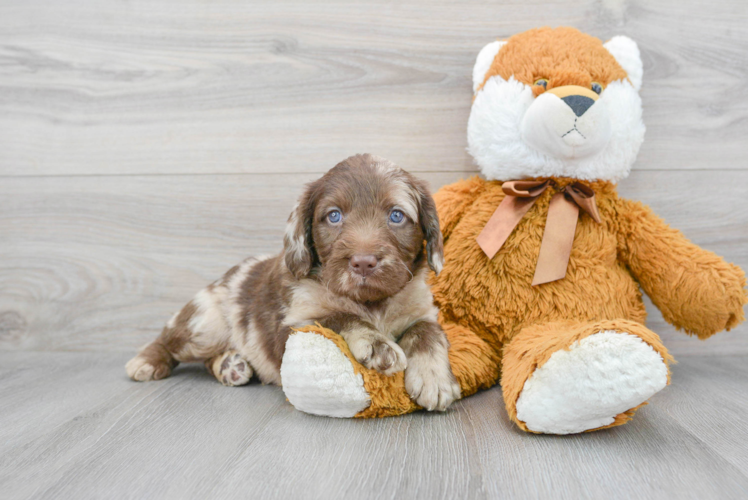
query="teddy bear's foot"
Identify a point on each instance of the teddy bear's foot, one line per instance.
(588, 376)
(318, 378)
(321, 376)
(587, 386)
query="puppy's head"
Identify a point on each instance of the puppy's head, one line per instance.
(361, 228)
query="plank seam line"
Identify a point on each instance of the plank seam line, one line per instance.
(226, 174)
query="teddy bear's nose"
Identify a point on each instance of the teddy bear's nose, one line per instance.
(578, 98)
(578, 103)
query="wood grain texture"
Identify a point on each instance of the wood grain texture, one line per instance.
(78, 428)
(163, 86)
(145, 147)
(100, 263)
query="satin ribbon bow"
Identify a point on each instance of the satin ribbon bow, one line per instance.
(560, 225)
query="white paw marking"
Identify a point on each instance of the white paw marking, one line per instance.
(140, 370)
(585, 387)
(232, 370)
(379, 354)
(430, 382)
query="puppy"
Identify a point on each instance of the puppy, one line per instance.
(354, 260)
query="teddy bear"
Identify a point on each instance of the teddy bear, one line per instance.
(545, 264)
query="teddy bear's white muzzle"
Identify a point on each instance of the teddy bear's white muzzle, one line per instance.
(572, 127)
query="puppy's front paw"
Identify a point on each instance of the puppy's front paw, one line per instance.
(379, 354)
(430, 383)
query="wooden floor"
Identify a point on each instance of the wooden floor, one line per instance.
(75, 427)
(146, 146)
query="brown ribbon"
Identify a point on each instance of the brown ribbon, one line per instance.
(560, 225)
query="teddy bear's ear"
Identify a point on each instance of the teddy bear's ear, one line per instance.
(626, 52)
(483, 62)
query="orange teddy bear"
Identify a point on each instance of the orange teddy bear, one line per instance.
(543, 261)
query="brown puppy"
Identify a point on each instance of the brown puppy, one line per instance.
(354, 260)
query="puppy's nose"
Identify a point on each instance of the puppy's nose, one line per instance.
(363, 264)
(579, 104)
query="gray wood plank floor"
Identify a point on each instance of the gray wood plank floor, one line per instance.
(73, 426)
(148, 145)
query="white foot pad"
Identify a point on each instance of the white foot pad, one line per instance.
(319, 379)
(232, 370)
(585, 387)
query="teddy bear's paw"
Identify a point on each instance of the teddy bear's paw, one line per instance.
(430, 383)
(588, 385)
(319, 379)
(230, 368)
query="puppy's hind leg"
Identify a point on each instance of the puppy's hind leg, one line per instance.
(153, 362)
(230, 368)
(196, 333)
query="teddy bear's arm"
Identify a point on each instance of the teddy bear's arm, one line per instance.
(695, 289)
(454, 199)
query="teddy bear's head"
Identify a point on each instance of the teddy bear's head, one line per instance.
(556, 103)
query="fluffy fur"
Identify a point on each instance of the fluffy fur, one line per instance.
(584, 334)
(384, 310)
(484, 61)
(574, 390)
(319, 379)
(498, 129)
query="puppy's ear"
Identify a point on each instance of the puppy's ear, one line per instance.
(298, 243)
(429, 220)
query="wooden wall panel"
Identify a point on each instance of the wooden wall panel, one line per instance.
(99, 263)
(146, 146)
(105, 87)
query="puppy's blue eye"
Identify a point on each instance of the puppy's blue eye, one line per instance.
(596, 87)
(334, 216)
(396, 216)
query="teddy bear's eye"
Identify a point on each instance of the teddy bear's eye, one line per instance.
(596, 87)
(542, 82)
